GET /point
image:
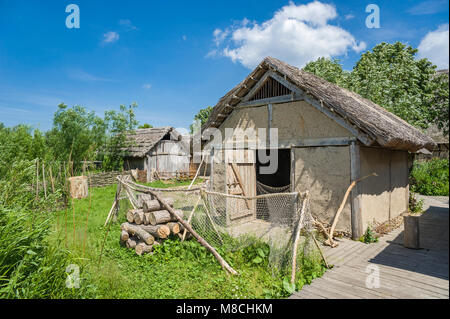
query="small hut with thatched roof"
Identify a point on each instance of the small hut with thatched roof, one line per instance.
(160, 149)
(327, 137)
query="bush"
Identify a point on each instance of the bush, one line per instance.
(430, 178)
(415, 205)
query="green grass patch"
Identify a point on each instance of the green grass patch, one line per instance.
(176, 269)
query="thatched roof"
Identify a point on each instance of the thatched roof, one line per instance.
(383, 128)
(139, 142)
(436, 134)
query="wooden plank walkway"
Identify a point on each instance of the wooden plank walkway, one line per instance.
(403, 273)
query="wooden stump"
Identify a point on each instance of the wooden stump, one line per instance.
(139, 216)
(135, 230)
(163, 216)
(132, 242)
(124, 236)
(157, 231)
(78, 187)
(174, 227)
(411, 234)
(152, 205)
(142, 248)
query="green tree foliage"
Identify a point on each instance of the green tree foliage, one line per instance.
(330, 70)
(430, 178)
(439, 104)
(201, 117)
(76, 134)
(20, 143)
(118, 123)
(391, 76)
(145, 125)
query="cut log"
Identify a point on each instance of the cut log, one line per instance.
(130, 215)
(139, 217)
(146, 218)
(157, 231)
(163, 216)
(132, 242)
(124, 236)
(135, 230)
(152, 205)
(142, 248)
(174, 227)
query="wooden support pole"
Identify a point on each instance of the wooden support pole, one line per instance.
(196, 173)
(190, 217)
(43, 179)
(297, 236)
(51, 179)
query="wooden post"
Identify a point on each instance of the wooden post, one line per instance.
(411, 234)
(43, 179)
(297, 236)
(51, 179)
(356, 215)
(37, 179)
(198, 170)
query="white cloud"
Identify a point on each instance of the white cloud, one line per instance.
(296, 34)
(349, 16)
(127, 24)
(110, 36)
(81, 75)
(146, 86)
(434, 46)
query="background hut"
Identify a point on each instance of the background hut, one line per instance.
(160, 149)
(327, 138)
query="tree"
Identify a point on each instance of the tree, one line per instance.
(392, 77)
(76, 134)
(330, 70)
(118, 123)
(439, 104)
(202, 116)
(146, 125)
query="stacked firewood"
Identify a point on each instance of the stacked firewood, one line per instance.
(147, 226)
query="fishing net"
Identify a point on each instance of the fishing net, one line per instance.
(233, 222)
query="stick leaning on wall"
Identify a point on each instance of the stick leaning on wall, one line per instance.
(330, 240)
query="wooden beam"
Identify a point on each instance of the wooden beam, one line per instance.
(355, 196)
(239, 180)
(315, 142)
(294, 88)
(256, 87)
(272, 100)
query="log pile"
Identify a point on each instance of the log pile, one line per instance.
(149, 225)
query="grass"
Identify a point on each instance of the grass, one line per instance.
(176, 270)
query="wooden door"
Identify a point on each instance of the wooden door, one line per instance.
(240, 180)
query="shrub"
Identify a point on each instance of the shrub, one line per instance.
(430, 178)
(415, 205)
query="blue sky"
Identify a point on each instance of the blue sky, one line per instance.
(174, 58)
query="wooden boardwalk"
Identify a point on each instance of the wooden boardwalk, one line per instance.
(403, 273)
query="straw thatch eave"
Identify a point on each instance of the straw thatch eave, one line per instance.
(380, 126)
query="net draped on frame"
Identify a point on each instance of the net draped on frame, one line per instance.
(232, 222)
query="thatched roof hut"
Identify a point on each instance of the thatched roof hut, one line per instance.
(374, 123)
(161, 149)
(327, 137)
